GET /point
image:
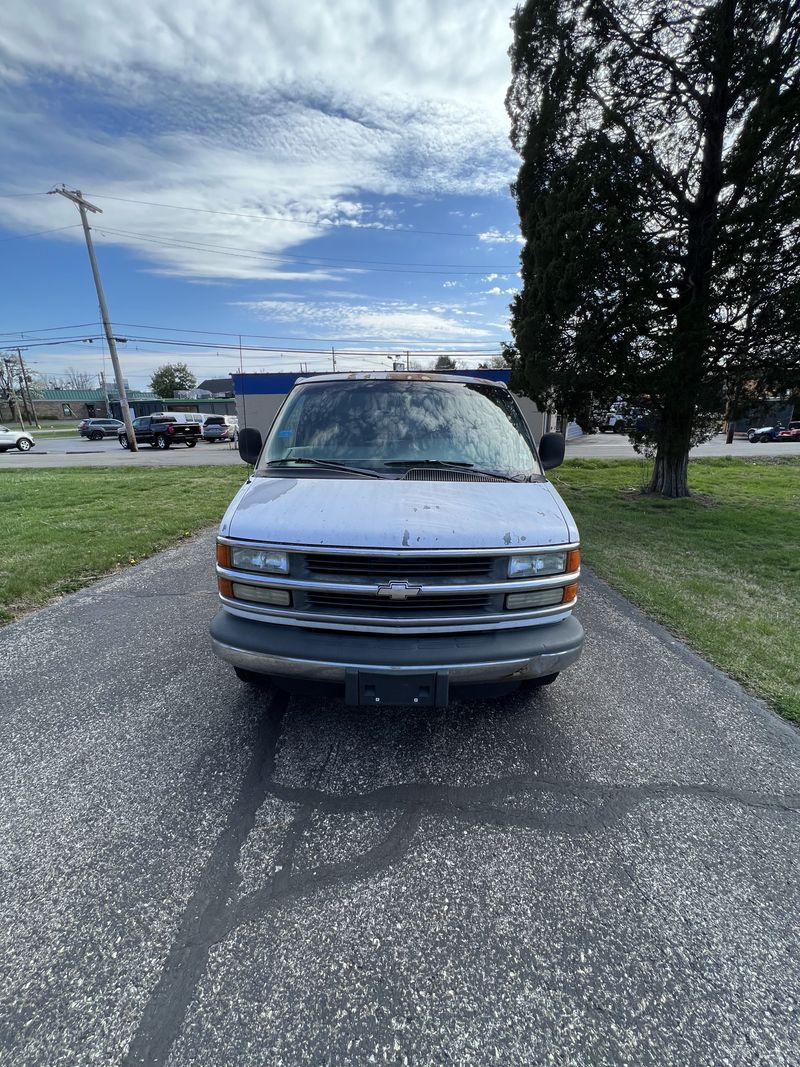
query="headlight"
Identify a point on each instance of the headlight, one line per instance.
(537, 566)
(540, 564)
(259, 559)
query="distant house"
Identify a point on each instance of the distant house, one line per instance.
(222, 387)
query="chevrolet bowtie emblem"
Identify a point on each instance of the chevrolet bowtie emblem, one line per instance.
(399, 590)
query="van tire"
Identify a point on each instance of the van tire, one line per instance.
(538, 683)
(261, 681)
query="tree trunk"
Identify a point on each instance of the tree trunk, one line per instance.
(693, 321)
(671, 471)
(731, 414)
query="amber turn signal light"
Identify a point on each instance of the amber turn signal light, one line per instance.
(573, 560)
(570, 592)
(225, 587)
(223, 554)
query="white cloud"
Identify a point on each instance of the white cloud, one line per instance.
(313, 113)
(380, 319)
(491, 277)
(450, 284)
(495, 237)
(494, 291)
(430, 48)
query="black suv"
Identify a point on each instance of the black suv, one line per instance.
(96, 429)
(162, 431)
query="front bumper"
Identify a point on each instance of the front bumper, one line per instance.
(512, 655)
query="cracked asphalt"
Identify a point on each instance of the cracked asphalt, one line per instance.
(605, 872)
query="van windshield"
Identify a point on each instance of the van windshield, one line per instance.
(382, 423)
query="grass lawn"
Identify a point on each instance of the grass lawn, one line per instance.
(721, 569)
(62, 528)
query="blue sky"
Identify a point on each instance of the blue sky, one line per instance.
(299, 174)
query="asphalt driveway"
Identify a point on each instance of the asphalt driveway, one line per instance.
(604, 873)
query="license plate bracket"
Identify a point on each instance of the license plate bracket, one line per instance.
(382, 688)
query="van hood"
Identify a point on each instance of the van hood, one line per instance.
(393, 513)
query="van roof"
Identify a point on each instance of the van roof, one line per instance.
(402, 376)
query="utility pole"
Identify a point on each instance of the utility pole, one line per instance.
(26, 389)
(104, 387)
(333, 359)
(408, 360)
(13, 399)
(84, 206)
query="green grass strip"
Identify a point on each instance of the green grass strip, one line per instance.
(720, 569)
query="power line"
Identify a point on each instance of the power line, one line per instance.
(9, 196)
(316, 260)
(235, 252)
(285, 337)
(277, 218)
(258, 349)
(39, 233)
(52, 329)
(438, 346)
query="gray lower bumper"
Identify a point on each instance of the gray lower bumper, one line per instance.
(322, 655)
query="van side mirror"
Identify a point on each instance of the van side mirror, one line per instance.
(249, 445)
(551, 450)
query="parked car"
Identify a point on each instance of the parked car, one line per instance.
(220, 428)
(97, 429)
(398, 537)
(623, 418)
(162, 431)
(616, 420)
(764, 433)
(20, 439)
(791, 433)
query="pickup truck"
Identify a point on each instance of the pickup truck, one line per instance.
(397, 537)
(163, 431)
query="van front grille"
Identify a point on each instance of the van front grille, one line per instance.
(385, 607)
(381, 569)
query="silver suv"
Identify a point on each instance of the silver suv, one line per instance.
(220, 428)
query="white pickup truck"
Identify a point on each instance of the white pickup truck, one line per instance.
(397, 537)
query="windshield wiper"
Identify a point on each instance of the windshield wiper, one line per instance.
(324, 464)
(445, 463)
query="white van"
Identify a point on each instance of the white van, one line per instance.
(398, 537)
(191, 418)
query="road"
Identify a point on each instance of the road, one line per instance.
(615, 446)
(603, 873)
(77, 452)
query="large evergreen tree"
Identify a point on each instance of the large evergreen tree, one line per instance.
(171, 378)
(659, 199)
